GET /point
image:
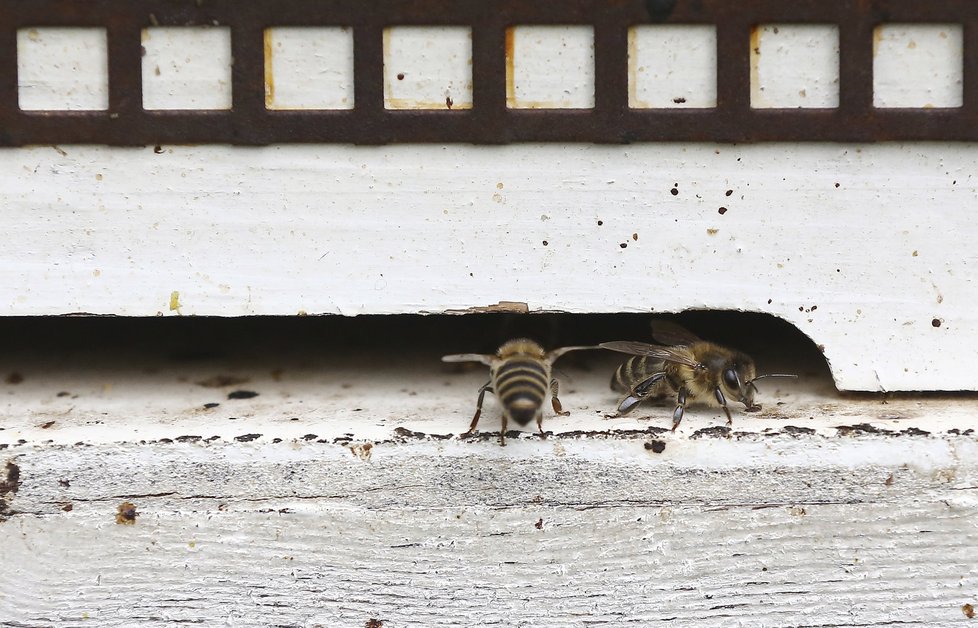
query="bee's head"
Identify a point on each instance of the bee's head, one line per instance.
(737, 379)
(521, 346)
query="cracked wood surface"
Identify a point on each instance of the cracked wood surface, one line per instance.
(570, 532)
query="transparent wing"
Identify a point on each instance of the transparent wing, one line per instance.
(468, 357)
(669, 354)
(556, 353)
(669, 333)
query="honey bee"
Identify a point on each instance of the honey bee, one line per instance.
(692, 369)
(520, 376)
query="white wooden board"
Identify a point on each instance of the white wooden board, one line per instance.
(864, 249)
(569, 533)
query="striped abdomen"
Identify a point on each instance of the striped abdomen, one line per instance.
(521, 386)
(632, 371)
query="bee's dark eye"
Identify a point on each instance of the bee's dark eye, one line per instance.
(730, 379)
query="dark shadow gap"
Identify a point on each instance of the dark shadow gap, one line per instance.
(126, 343)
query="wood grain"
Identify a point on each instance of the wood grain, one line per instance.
(586, 533)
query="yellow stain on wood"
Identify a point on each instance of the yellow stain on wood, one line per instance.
(175, 302)
(510, 67)
(755, 65)
(269, 75)
(633, 69)
(391, 102)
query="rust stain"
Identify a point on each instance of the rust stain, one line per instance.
(510, 67)
(877, 39)
(362, 451)
(755, 65)
(388, 87)
(393, 102)
(126, 514)
(968, 610)
(269, 75)
(633, 69)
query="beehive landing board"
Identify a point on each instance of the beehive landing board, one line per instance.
(341, 494)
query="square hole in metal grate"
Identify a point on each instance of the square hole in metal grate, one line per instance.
(427, 67)
(672, 66)
(187, 67)
(918, 65)
(309, 68)
(550, 67)
(62, 69)
(794, 66)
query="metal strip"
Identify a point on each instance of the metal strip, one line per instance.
(489, 121)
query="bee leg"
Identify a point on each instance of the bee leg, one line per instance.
(677, 415)
(502, 432)
(487, 387)
(559, 409)
(628, 404)
(540, 424)
(638, 393)
(723, 404)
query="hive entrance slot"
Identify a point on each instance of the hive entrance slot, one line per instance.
(79, 379)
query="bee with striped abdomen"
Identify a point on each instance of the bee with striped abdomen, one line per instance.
(520, 376)
(692, 369)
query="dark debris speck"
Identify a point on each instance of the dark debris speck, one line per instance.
(242, 394)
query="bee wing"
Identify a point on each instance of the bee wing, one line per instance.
(669, 333)
(552, 356)
(668, 354)
(468, 357)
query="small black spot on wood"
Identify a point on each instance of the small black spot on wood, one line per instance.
(247, 438)
(242, 394)
(656, 446)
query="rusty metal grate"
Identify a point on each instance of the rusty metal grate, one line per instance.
(489, 121)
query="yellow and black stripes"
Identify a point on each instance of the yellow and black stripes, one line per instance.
(633, 371)
(521, 385)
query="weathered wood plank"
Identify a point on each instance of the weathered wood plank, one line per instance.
(343, 230)
(566, 533)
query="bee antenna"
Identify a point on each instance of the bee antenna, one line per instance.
(752, 385)
(772, 375)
